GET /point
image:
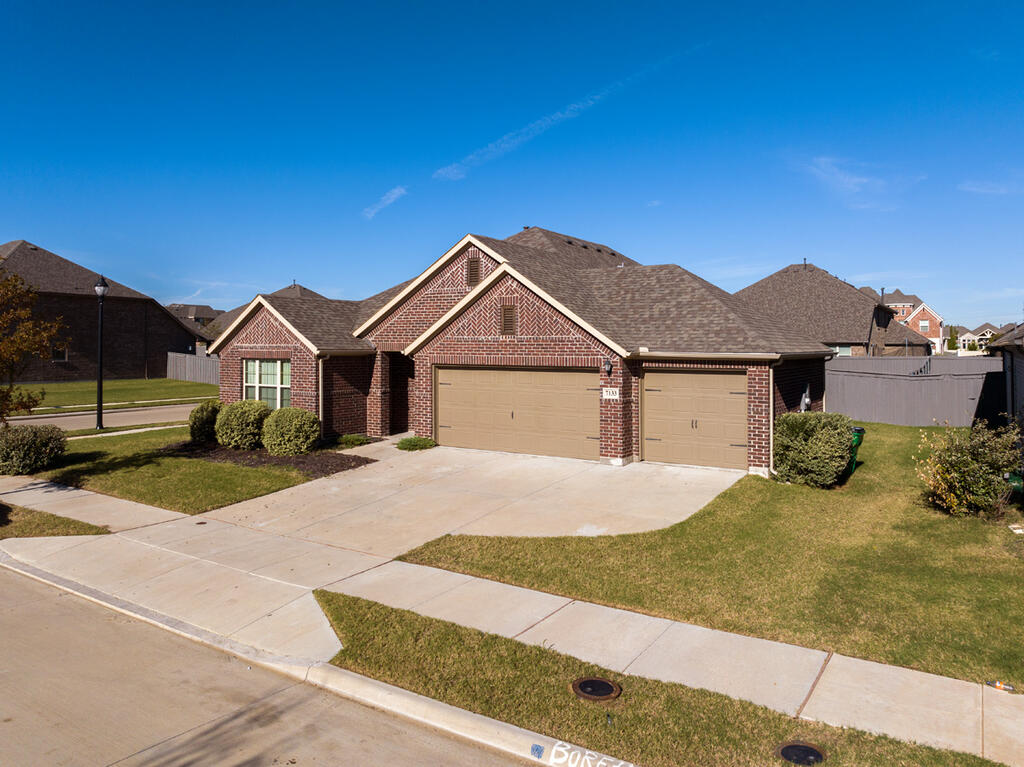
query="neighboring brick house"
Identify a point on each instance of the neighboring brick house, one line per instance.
(137, 331)
(911, 311)
(853, 322)
(539, 343)
(1011, 345)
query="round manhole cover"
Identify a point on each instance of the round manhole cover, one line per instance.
(596, 688)
(801, 753)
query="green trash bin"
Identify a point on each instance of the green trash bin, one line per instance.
(855, 442)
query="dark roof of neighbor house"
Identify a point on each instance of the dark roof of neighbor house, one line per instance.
(47, 272)
(194, 311)
(663, 308)
(808, 299)
(896, 297)
(985, 326)
(1014, 336)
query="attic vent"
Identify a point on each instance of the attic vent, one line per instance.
(569, 241)
(584, 247)
(508, 320)
(472, 271)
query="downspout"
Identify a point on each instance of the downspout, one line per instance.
(771, 417)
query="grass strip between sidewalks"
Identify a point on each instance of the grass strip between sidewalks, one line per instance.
(652, 723)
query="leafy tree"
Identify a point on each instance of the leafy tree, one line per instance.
(22, 337)
(972, 346)
(954, 340)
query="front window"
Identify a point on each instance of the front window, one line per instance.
(922, 326)
(842, 350)
(268, 380)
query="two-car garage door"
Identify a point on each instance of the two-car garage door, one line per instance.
(543, 412)
(697, 418)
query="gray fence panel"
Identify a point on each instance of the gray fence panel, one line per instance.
(916, 392)
(190, 367)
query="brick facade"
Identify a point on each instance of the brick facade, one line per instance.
(265, 337)
(137, 334)
(385, 393)
(934, 332)
(430, 302)
(792, 379)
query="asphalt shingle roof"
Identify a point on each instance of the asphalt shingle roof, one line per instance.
(813, 302)
(1012, 337)
(49, 273)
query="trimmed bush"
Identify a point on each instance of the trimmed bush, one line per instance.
(290, 431)
(27, 449)
(345, 441)
(415, 443)
(202, 421)
(963, 468)
(812, 448)
(240, 424)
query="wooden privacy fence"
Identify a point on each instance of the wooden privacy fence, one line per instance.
(191, 367)
(916, 391)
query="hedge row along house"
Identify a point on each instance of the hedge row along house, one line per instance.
(539, 343)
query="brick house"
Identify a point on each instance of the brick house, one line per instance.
(853, 322)
(540, 343)
(137, 331)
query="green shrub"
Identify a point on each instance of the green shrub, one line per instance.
(202, 421)
(345, 441)
(963, 468)
(290, 431)
(812, 448)
(415, 443)
(27, 449)
(240, 424)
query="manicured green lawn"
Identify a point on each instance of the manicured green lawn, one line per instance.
(651, 723)
(121, 390)
(16, 522)
(138, 467)
(866, 569)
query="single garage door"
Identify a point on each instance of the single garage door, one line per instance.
(696, 418)
(520, 411)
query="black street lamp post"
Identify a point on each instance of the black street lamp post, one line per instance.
(101, 289)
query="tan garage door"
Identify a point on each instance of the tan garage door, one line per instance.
(520, 411)
(696, 418)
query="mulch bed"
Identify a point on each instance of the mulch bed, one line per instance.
(319, 463)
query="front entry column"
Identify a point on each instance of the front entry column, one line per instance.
(378, 401)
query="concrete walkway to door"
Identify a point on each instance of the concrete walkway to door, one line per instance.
(408, 498)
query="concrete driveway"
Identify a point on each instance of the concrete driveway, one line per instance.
(407, 499)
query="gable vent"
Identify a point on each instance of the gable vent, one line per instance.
(508, 320)
(472, 271)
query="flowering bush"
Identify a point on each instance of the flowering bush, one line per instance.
(963, 468)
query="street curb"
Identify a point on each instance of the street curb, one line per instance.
(491, 733)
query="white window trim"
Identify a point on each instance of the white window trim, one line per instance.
(257, 385)
(839, 350)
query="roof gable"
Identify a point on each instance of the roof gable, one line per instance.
(47, 272)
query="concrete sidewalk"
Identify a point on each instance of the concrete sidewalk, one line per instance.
(254, 587)
(132, 416)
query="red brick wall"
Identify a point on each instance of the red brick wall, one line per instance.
(544, 338)
(264, 337)
(137, 334)
(346, 386)
(791, 379)
(429, 303)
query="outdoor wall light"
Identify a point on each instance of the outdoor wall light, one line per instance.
(607, 366)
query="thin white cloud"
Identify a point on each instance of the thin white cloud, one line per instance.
(515, 139)
(654, 204)
(389, 198)
(987, 187)
(858, 184)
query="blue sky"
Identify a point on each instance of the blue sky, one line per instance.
(205, 154)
